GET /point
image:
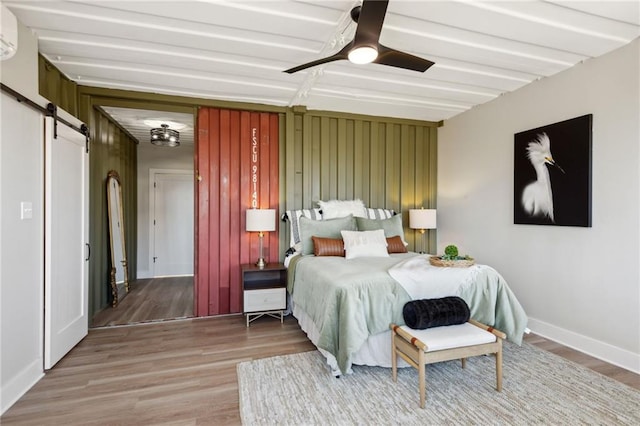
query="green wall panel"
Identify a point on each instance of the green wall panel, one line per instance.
(386, 162)
(111, 149)
(56, 87)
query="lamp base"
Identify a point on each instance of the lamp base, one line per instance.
(261, 263)
(423, 231)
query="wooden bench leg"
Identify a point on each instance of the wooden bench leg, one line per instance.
(422, 379)
(394, 359)
(499, 368)
(464, 362)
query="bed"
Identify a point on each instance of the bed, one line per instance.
(351, 276)
(346, 305)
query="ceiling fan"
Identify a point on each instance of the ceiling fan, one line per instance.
(365, 47)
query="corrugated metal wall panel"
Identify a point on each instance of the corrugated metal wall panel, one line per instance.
(224, 164)
(385, 162)
(111, 149)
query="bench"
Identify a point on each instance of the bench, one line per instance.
(421, 347)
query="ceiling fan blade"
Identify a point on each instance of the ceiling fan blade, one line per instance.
(370, 22)
(342, 54)
(395, 58)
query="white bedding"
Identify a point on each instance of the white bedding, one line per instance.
(375, 351)
(412, 274)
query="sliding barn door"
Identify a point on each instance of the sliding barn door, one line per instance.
(66, 237)
(237, 169)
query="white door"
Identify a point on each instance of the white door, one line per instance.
(66, 236)
(172, 222)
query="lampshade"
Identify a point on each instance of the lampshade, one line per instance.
(261, 220)
(164, 136)
(422, 219)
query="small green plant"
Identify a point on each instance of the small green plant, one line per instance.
(451, 253)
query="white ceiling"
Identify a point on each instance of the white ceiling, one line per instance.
(237, 50)
(139, 123)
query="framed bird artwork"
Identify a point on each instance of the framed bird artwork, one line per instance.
(552, 174)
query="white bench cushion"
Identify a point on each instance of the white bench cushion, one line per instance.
(451, 336)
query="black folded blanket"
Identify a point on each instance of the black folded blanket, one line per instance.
(428, 313)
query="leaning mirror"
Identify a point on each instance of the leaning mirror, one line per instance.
(119, 276)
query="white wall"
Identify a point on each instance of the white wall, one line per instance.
(155, 157)
(579, 286)
(21, 264)
(21, 241)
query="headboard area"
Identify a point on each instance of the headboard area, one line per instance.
(327, 210)
(388, 163)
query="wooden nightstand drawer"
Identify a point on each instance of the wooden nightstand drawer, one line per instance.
(269, 299)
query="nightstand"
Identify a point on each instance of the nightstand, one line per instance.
(264, 291)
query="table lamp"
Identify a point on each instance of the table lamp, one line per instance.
(422, 219)
(261, 221)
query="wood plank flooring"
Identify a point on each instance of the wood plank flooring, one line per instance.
(178, 372)
(150, 300)
(620, 374)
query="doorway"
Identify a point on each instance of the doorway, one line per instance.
(171, 222)
(164, 289)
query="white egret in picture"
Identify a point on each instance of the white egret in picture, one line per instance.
(543, 192)
(537, 197)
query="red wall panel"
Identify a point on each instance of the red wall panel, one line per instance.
(224, 164)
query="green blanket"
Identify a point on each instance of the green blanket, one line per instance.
(350, 300)
(492, 302)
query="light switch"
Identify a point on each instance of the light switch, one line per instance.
(26, 210)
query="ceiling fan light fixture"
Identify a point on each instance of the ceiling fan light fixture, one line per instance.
(164, 136)
(363, 55)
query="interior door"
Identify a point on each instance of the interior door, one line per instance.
(172, 216)
(66, 236)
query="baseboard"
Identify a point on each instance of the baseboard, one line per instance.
(147, 275)
(12, 391)
(174, 276)
(141, 275)
(601, 350)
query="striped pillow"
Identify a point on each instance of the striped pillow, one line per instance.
(294, 224)
(379, 213)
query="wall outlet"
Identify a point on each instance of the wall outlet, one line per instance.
(26, 210)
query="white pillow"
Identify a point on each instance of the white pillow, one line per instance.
(364, 244)
(338, 208)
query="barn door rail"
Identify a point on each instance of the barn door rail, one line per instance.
(51, 110)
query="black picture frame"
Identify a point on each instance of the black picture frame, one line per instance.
(567, 200)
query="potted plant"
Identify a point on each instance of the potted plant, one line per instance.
(451, 258)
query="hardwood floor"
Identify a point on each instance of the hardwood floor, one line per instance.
(150, 300)
(620, 374)
(178, 372)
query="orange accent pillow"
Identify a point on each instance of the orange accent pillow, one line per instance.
(395, 245)
(328, 246)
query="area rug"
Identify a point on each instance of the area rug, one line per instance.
(538, 388)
